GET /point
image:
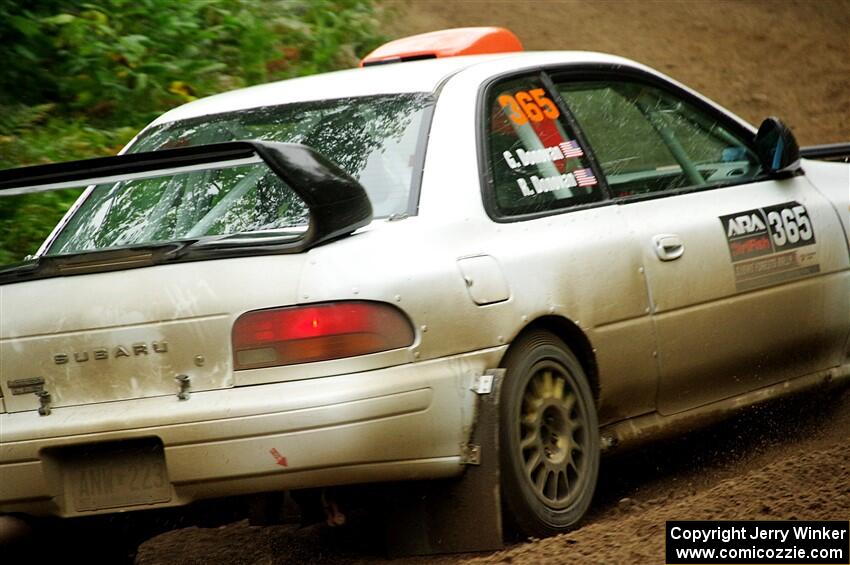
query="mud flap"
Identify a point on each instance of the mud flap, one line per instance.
(458, 515)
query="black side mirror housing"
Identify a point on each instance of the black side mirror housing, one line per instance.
(777, 149)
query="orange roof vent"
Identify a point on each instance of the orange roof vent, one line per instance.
(445, 43)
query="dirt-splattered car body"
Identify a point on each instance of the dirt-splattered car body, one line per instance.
(711, 286)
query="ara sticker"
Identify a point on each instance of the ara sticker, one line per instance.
(763, 242)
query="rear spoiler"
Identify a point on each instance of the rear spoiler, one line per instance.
(338, 204)
(829, 152)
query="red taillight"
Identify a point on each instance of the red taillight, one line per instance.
(301, 334)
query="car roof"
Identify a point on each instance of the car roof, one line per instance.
(393, 78)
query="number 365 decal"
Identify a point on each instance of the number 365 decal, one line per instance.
(772, 229)
(789, 225)
(528, 105)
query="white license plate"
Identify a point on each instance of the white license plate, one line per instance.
(117, 477)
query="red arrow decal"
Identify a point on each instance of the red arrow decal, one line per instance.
(281, 460)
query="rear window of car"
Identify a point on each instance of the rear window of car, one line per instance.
(378, 140)
(537, 163)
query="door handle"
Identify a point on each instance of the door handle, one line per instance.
(668, 247)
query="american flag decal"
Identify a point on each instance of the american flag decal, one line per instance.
(570, 149)
(584, 177)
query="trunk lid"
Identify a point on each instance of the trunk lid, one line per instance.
(129, 334)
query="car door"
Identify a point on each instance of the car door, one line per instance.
(748, 275)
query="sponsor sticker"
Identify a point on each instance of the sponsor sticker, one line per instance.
(763, 244)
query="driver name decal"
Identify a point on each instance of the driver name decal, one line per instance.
(579, 177)
(524, 158)
(763, 244)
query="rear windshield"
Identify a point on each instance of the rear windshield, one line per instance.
(378, 140)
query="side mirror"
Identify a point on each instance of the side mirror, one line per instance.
(777, 149)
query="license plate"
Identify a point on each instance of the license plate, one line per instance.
(116, 477)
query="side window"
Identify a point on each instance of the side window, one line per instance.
(647, 140)
(536, 162)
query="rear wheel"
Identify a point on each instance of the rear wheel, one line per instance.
(549, 437)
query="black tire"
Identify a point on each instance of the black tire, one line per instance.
(548, 425)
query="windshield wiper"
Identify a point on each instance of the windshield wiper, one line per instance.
(193, 249)
(94, 261)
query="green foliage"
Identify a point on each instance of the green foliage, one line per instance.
(26, 220)
(37, 134)
(78, 79)
(135, 58)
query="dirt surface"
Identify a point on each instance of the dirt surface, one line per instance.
(785, 58)
(762, 467)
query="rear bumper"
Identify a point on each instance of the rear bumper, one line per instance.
(399, 423)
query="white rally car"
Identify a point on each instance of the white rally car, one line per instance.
(314, 283)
